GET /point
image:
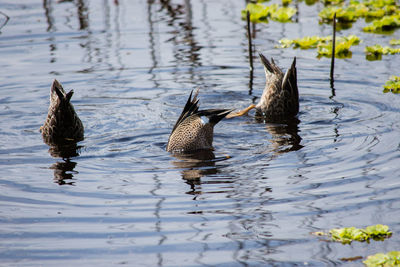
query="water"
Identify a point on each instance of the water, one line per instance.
(123, 200)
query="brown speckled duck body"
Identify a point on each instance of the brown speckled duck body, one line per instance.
(194, 130)
(62, 124)
(280, 98)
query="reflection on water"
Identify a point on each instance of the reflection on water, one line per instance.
(285, 137)
(64, 172)
(195, 165)
(131, 64)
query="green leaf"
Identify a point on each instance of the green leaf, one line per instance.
(392, 258)
(283, 14)
(348, 234)
(392, 85)
(261, 13)
(377, 49)
(394, 42)
(385, 24)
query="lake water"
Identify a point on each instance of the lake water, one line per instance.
(123, 200)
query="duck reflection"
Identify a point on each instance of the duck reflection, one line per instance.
(194, 166)
(64, 170)
(285, 136)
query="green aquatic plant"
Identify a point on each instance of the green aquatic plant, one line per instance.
(375, 52)
(348, 234)
(332, 2)
(381, 50)
(394, 42)
(306, 42)
(378, 232)
(342, 47)
(283, 14)
(385, 24)
(380, 3)
(323, 44)
(356, 9)
(392, 85)
(391, 258)
(261, 13)
(348, 14)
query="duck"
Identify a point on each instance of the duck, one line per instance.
(280, 98)
(194, 129)
(62, 125)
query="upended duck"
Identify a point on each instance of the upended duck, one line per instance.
(62, 124)
(280, 98)
(194, 129)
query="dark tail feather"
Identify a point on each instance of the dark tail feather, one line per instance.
(215, 115)
(191, 107)
(290, 83)
(270, 66)
(59, 90)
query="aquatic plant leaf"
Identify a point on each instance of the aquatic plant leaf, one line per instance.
(283, 14)
(377, 50)
(258, 12)
(391, 258)
(323, 44)
(261, 13)
(378, 232)
(308, 42)
(370, 9)
(392, 85)
(332, 2)
(285, 43)
(385, 24)
(348, 234)
(394, 42)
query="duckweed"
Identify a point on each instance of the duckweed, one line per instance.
(392, 85)
(391, 258)
(261, 13)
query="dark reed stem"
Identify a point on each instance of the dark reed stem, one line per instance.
(333, 49)
(249, 40)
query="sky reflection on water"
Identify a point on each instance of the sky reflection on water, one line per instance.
(120, 198)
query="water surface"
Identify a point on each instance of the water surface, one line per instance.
(120, 198)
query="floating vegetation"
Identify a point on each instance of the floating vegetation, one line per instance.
(369, 9)
(323, 44)
(392, 85)
(391, 258)
(375, 52)
(348, 234)
(261, 13)
(394, 42)
(383, 25)
(332, 2)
